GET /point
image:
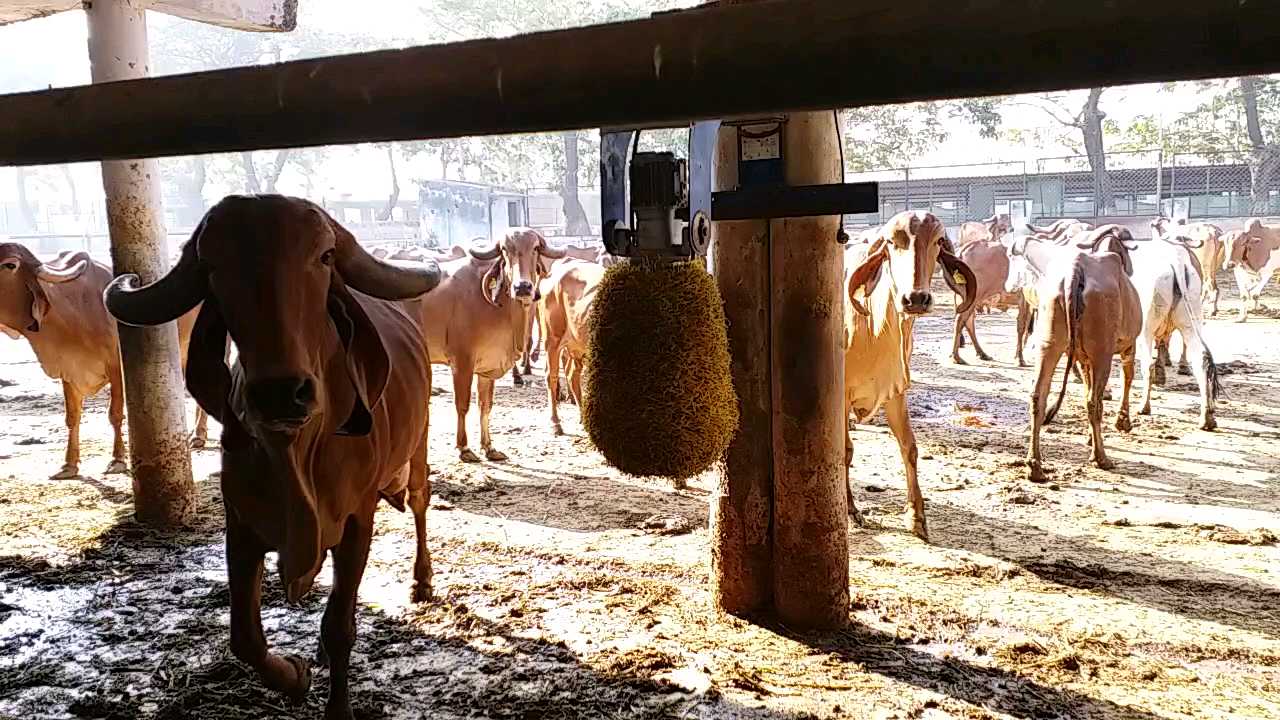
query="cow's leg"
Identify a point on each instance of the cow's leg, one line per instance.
(848, 462)
(530, 347)
(516, 379)
(1246, 289)
(283, 673)
(1204, 370)
(462, 374)
(419, 499)
(553, 383)
(1183, 367)
(200, 437)
(115, 413)
(1049, 356)
(1123, 423)
(973, 335)
(1151, 370)
(73, 406)
(957, 340)
(575, 381)
(900, 423)
(338, 628)
(1100, 371)
(484, 388)
(1024, 325)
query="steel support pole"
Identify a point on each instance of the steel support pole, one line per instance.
(163, 491)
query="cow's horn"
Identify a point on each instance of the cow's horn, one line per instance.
(489, 253)
(378, 278)
(73, 268)
(549, 252)
(166, 299)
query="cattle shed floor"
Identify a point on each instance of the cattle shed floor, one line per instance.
(565, 590)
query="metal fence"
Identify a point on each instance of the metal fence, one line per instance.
(1135, 184)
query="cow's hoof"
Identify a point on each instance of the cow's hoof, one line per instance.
(466, 456)
(984, 357)
(1035, 471)
(1022, 363)
(1145, 410)
(322, 655)
(1124, 424)
(197, 442)
(1184, 369)
(855, 515)
(1209, 424)
(957, 360)
(421, 592)
(1106, 394)
(494, 455)
(1242, 318)
(291, 676)
(1104, 463)
(917, 525)
(339, 710)
(517, 380)
(68, 472)
(118, 467)
(557, 430)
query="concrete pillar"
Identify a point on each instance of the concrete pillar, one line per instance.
(163, 491)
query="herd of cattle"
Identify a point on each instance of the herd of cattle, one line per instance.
(325, 412)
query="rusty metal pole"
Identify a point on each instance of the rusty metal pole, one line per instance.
(742, 509)
(163, 491)
(810, 516)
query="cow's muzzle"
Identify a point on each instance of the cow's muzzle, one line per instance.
(282, 404)
(917, 302)
(523, 291)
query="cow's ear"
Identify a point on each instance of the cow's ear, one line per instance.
(39, 299)
(208, 378)
(493, 282)
(367, 362)
(865, 276)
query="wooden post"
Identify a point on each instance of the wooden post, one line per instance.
(810, 516)
(163, 491)
(742, 510)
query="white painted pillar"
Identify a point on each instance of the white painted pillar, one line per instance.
(163, 491)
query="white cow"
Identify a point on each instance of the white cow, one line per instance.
(1170, 289)
(1253, 255)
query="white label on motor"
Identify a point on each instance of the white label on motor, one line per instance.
(761, 142)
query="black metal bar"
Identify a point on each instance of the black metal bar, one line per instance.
(801, 201)
(762, 57)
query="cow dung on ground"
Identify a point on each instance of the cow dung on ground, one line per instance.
(659, 397)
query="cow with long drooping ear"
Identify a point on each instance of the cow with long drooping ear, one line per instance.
(887, 290)
(323, 413)
(520, 257)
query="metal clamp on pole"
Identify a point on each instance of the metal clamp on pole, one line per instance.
(658, 206)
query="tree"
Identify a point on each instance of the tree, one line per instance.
(1088, 122)
(893, 136)
(1237, 117)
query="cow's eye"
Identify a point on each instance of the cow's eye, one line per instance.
(11, 266)
(327, 257)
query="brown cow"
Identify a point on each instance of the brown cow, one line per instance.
(323, 414)
(992, 228)
(565, 310)
(59, 311)
(532, 346)
(989, 261)
(888, 290)
(477, 321)
(1094, 314)
(1252, 256)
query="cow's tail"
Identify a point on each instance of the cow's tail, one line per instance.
(1212, 378)
(1073, 303)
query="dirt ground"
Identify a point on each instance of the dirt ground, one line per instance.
(1150, 591)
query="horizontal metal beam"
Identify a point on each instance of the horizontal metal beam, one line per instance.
(758, 57)
(784, 201)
